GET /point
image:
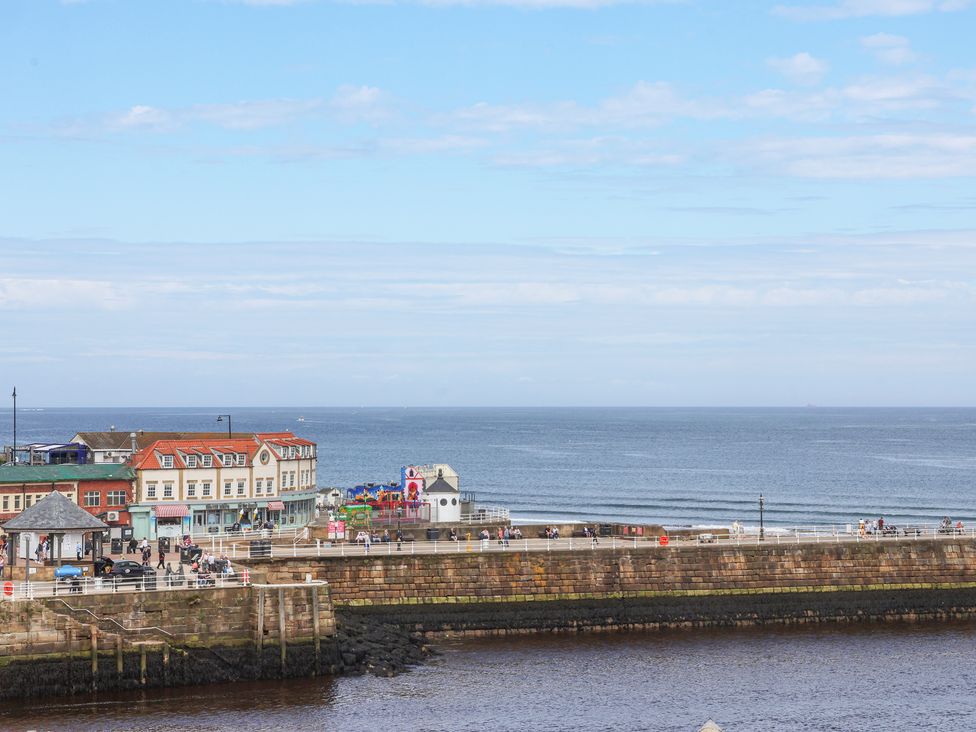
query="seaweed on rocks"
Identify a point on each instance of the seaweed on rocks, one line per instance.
(382, 649)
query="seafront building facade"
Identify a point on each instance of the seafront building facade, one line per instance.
(209, 484)
(104, 491)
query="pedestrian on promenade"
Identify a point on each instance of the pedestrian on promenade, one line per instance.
(366, 542)
(501, 536)
(399, 537)
(162, 559)
(130, 548)
(3, 560)
(78, 551)
(507, 535)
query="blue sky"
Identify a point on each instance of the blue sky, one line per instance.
(488, 202)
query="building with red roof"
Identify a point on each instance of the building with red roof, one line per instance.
(201, 485)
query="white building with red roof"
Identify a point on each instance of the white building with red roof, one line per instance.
(210, 484)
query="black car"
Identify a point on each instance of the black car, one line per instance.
(127, 572)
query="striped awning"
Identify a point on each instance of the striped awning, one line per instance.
(276, 506)
(172, 511)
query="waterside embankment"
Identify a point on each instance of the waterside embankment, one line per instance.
(371, 612)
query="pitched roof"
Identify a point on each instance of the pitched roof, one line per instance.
(120, 439)
(148, 458)
(440, 486)
(61, 473)
(54, 512)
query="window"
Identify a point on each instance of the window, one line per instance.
(292, 482)
(150, 490)
(306, 450)
(191, 490)
(116, 498)
(258, 486)
(291, 452)
(16, 503)
(240, 487)
(167, 490)
(227, 487)
(207, 461)
(6, 504)
(205, 487)
(241, 458)
(228, 460)
(93, 498)
(191, 461)
(167, 461)
(270, 486)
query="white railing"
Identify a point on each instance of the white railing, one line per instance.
(486, 515)
(68, 588)
(285, 532)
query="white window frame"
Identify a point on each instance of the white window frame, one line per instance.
(167, 490)
(270, 487)
(207, 461)
(88, 499)
(227, 460)
(191, 489)
(228, 487)
(191, 461)
(259, 486)
(241, 487)
(241, 458)
(151, 491)
(166, 461)
(205, 489)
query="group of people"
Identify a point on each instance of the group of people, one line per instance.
(552, 532)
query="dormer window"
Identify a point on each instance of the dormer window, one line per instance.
(207, 460)
(241, 458)
(191, 461)
(228, 460)
(167, 461)
(291, 452)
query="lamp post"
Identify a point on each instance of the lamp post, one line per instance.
(762, 531)
(14, 395)
(220, 418)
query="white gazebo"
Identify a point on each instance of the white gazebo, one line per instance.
(57, 517)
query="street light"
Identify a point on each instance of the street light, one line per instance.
(220, 418)
(14, 454)
(762, 531)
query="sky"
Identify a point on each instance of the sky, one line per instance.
(488, 202)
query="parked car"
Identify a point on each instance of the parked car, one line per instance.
(125, 571)
(67, 571)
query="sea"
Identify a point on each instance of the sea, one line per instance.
(813, 466)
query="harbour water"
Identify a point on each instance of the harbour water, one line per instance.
(675, 466)
(749, 680)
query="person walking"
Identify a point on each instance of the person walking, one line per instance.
(3, 560)
(161, 564)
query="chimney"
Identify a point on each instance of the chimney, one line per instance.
(132, 437)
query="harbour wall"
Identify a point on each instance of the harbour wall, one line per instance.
(81, 643)
(641, 585)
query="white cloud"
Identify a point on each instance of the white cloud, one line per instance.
(864, 8)
(252, 115)
(144, 117)
(870, 156)
(890, 49)
(361, 103)
(801, 68)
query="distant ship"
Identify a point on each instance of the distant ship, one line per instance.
(301, 419)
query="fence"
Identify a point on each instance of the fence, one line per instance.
(67, 588)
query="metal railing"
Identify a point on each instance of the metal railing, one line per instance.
(68, 588)
(285, 532)
(486, 515)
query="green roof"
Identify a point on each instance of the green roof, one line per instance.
(60, 473)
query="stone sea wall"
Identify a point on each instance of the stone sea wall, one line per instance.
(646, 586)
(165, 638)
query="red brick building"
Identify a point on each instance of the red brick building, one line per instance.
(105, 491)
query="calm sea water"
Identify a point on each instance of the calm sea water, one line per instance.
(823, 680)
(674, 466)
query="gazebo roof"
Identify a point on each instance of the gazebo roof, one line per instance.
(54, 512)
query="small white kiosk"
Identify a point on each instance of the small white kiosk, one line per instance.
(442, 491)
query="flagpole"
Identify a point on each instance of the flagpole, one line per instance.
(14, 395)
